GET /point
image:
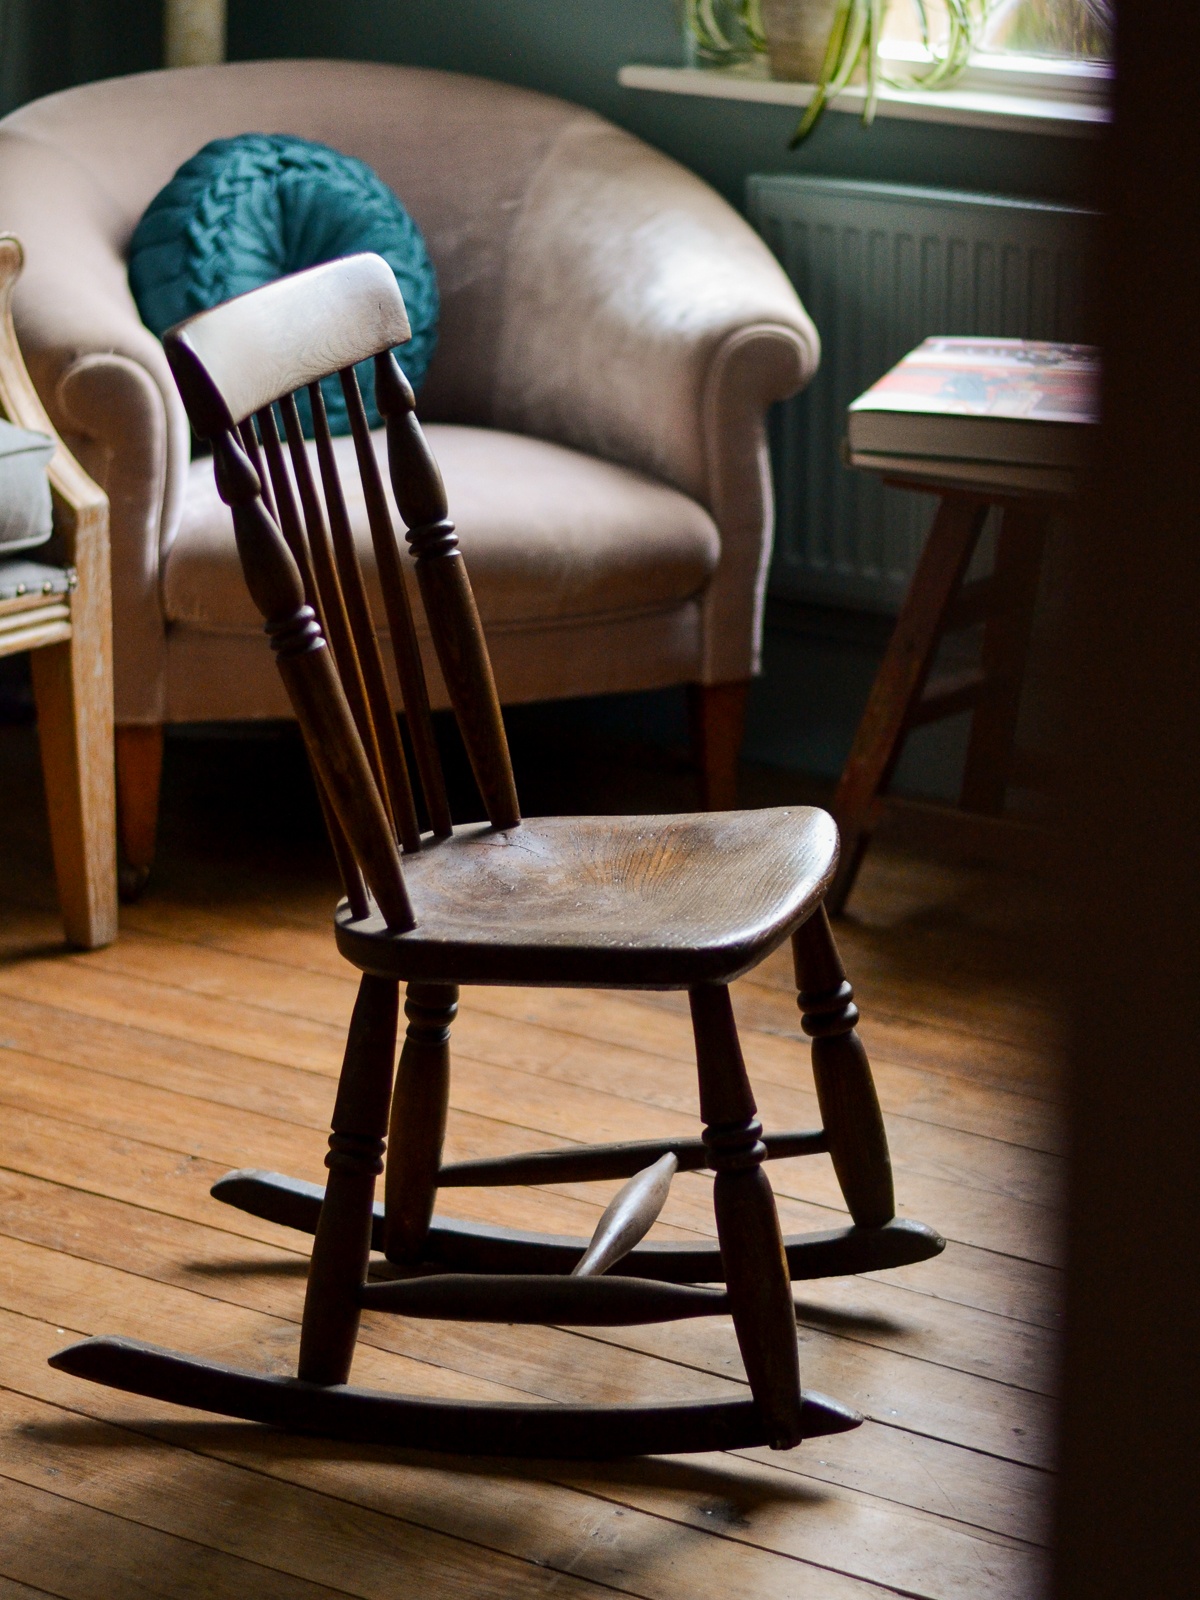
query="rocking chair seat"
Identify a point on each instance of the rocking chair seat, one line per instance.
(659, 902)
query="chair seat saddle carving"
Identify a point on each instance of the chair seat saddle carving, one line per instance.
(671, 902)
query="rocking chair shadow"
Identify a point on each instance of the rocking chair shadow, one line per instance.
(667, 902)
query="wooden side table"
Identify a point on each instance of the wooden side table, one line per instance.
(938, 602)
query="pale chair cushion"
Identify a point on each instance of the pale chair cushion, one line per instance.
(21, 578)
(549, 535)
(25, 514)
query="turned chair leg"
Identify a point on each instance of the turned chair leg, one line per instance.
(342, 1247)
(845, 1088)
(717, 714)
(752, 1255)
(418, 1124)
(139, 754)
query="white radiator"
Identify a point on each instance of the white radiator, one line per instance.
(881, 267)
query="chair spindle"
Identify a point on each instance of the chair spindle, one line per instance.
(312, 682)
(358, 610)
(249, 437)
(337, 622)
(353, 886)
(446, 592)
(282, 506)
(287, 512)
(406, 650)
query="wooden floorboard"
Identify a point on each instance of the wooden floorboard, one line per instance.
(210, 1036)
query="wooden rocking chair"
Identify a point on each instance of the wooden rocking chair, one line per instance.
(664, 902)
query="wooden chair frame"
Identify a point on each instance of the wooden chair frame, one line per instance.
(69, 634)
(498, 902)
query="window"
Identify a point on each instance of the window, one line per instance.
(1042, 66)
(1057, 49)
(1080, 30)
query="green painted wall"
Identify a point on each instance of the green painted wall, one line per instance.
(819, 663)
(564, 47)
(52, 44)
(574, 49)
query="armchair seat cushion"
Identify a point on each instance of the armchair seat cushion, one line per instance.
(550, 536)
(25, 513)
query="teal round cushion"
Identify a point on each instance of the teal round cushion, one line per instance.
(245, 211)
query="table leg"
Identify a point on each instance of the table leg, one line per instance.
(1005, 651)
(901, 678)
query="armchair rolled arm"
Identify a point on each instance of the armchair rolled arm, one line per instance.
(626, 277)
(112, 411)
(103, 378)
(645, 321)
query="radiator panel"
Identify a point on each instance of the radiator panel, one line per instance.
(881, 267)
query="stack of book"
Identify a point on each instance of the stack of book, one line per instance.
(997, 414)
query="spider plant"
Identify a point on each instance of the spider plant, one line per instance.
(856, 36)
(725, 30)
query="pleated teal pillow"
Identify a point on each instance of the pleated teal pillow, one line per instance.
(243, 212)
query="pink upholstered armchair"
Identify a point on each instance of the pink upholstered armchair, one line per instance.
(612, 334)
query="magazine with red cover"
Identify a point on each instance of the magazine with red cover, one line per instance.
(1016, 400)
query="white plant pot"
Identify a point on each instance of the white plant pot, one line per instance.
(797, 33)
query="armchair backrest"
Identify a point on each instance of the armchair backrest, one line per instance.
(459, 151)
(590, 286)
(234, 366)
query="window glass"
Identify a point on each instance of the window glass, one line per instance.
(1080, 29)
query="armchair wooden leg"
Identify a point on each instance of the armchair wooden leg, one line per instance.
(139, 752)
(74, 706)
(845, 1088)
(342, 1247)
(717, 713)
(752, 1254)
(418, 1124)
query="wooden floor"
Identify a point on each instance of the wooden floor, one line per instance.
(209, 1038)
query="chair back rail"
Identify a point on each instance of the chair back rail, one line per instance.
(277, 339)
(298, 555)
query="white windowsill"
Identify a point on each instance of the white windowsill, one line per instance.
(1025, 95)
